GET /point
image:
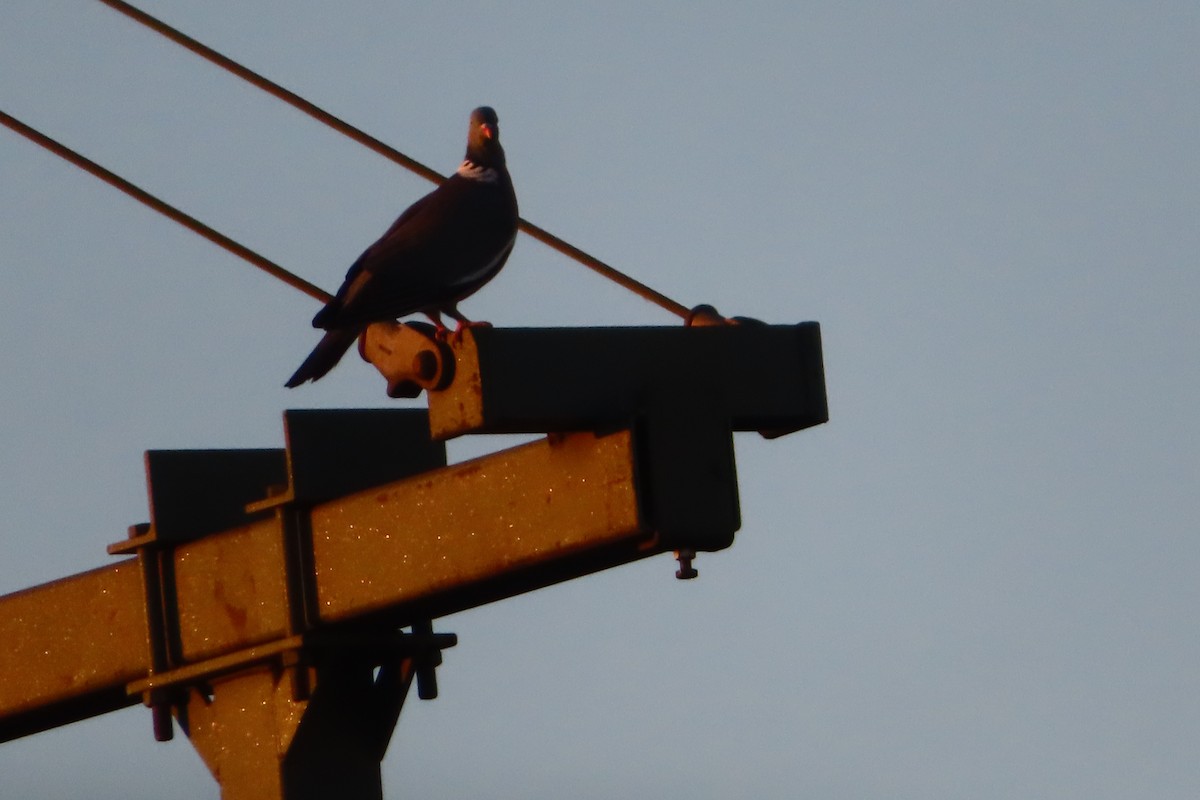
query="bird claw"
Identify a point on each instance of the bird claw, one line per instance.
(455, 336)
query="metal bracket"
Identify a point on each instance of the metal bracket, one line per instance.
(409, 355)
(198, 493)
(423, 646)
(144, 543)
(193, 493)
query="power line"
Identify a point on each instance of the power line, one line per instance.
(164, 208)
(365, 139)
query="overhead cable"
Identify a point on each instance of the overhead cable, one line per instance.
(164, 208)
(392, 154)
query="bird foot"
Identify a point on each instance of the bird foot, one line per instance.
(455, 336)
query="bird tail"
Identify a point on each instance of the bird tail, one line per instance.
(325, 355)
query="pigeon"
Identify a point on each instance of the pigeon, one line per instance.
(442, 249)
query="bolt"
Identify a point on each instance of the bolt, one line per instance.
(686, 571)
(160, 716)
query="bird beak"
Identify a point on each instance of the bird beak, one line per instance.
(487, 131)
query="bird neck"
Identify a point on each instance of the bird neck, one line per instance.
(474, 171)
(484, 162)
(485, 153)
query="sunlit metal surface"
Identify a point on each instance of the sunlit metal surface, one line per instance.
(437, 542)
(262, 611)
(231, 591)
(69, 639)
(468, 522)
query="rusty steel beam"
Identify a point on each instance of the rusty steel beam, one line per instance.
(471, 532)
(405, 551)
(69, 648)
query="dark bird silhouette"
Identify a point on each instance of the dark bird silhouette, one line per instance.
(438, 252)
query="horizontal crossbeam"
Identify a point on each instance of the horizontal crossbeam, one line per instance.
(396, 554)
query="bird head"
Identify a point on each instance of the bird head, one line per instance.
(483, 138)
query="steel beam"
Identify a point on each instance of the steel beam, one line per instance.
(406, 551)
(747, 377)
(68, 648)
(262, 742)
(530, 516)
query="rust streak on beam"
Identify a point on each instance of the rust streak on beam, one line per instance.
(231, 591)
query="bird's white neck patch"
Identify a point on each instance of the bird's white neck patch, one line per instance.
(473, 172)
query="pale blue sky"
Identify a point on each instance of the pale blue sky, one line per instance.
(979, 580)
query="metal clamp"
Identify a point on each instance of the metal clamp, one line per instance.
(409, 356)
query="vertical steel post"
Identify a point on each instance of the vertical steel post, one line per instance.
(261, 743)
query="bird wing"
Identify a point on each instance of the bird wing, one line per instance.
(438, 251)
